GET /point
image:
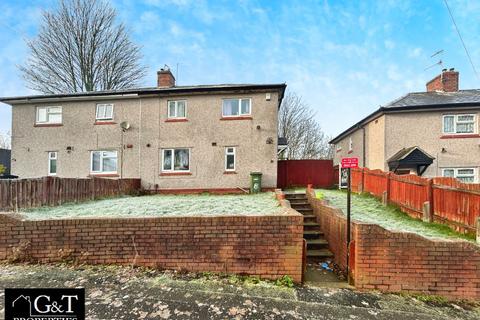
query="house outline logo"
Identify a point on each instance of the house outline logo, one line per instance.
(45, 303)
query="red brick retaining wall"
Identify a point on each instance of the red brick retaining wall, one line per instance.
(266, 246)
(401, 261)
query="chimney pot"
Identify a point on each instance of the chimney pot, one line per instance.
(447, 81)
(165, 78)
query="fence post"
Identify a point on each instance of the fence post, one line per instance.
(430, 198)
(478, 230)
(387, 195)
(362, 182)
(427, 216)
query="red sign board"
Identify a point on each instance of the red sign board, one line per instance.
(349, 163)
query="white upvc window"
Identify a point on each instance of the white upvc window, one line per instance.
(49, 115)
(350, 144)
(465, 175)
(52, 163)
(177, 109)
(103, 161)
(459, 123)
(230, 159)
(176, 160)
(104, 112)
(237, 107)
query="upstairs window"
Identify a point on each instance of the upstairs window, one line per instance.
(52, 163)
(177, 109)
(459, 124)
(49, 115)
(465, 175)
(236, 107)
(350, 145)
(104, 112)
(230, 159)
(176, 160)
(104, 162)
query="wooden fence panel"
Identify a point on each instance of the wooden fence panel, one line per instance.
(456, 203)
(375, 182)
(299, 173)
(452, 202)
(409, 192)
(52, 191)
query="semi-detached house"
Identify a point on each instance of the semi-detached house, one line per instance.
(432, 133)
(205, 137)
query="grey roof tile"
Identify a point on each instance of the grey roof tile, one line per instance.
(436, 98)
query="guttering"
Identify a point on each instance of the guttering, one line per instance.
(148, 91)
(28, 100)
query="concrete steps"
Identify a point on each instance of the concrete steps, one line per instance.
(317, 245)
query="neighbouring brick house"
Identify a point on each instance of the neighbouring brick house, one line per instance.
(432, 133)
(205, 137)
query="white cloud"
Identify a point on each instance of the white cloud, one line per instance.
(415, 52)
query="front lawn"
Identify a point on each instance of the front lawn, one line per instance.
(368, 209)
(163, 205)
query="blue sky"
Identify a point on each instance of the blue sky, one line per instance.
(345, 58)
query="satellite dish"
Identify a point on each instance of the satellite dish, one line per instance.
(125, 125)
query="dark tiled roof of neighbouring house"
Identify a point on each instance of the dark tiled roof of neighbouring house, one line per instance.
(436, 98)
(417, 101)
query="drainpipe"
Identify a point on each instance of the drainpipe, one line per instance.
(364, 156)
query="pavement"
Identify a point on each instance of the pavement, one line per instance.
(114, 292)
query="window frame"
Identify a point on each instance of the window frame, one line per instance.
(176, 109)
(234, 153)
(97, 119)
(50, 158)
(350, 144)
(172, 170)
(455, 122)
(240, 114)
(101, 171)
(457, 176)
(37, 120)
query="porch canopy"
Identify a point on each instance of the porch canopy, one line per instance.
(410, 158)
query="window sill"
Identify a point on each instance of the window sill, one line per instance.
(236, 118)
(230, 172)
(177, 120)
(48, 125)
(175, 174)
(460, 136)
(104, 123)
(104, 175)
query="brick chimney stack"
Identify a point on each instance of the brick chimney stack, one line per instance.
(165, 78)
(447, 81)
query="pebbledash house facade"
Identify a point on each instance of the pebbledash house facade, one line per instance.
(175, 138)
(432, 133)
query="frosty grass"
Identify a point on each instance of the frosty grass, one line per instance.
(370, 210)
(163, 205)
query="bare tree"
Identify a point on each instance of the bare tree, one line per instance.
(81, 47)
(5, 140)
(297, 123)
